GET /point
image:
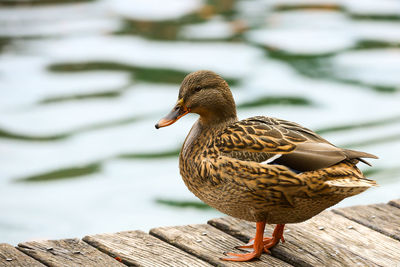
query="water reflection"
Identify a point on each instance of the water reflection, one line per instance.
(83, 82)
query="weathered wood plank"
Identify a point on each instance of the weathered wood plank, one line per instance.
(381, 217)
(139, 248)
(209, 244)
(395, 203)
(326, 239)
(66, 252)
(10, 256)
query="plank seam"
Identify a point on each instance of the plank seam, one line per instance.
(224, 229)
(20, 247)
(111, 255)
(177, 246)
(394, 204)
(30, 257)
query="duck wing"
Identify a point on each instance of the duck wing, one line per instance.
(276, 141)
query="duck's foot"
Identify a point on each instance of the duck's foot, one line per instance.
(268, 242)
(257, 247)
(242, 257)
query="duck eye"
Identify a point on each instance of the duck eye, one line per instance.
(197, 89)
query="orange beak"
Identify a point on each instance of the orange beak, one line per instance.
(175, 114)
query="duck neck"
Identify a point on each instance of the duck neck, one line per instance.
(215, 122)
(211, 118)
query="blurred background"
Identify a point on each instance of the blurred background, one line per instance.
(82, 84)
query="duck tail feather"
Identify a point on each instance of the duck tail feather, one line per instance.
(354, 154)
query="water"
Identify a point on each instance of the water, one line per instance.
(82, 84)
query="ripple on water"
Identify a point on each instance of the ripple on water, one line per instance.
(372, 66)
(153, 10)
(46, 20)
(231, 59)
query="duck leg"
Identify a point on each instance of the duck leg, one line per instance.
(258, 247)
(268, 242)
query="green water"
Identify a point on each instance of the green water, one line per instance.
(82, 84)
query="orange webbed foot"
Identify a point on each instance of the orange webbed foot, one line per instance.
(248, 246)
(242, 257)
(257, 245)
(277, 236)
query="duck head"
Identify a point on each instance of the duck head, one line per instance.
(205, 93)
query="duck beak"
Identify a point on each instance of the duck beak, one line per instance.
(175, 114)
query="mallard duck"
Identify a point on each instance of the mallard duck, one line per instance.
(260, 169)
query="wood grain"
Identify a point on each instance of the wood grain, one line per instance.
(381, 217)
(140, 249)
(66, 252)
(395, 203)
(10, 256)
(325, 240)
(209, 244)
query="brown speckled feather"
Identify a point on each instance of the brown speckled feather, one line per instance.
(260, 138)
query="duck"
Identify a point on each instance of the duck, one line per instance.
(260, 169)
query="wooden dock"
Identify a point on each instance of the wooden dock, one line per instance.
(352, 236)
